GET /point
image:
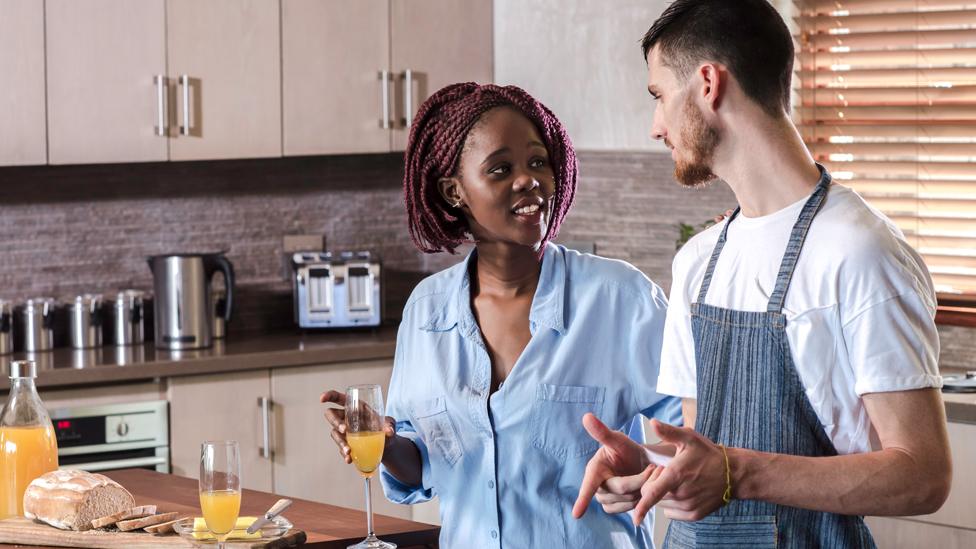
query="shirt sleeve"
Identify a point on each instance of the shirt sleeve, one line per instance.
(677, 376)
(397, 406)
(893, 345)
(649, 331)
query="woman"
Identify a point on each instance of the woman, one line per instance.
(498, 358)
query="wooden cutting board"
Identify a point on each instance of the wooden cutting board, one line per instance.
(19, 530)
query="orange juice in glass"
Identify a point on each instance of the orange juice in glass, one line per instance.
(28, 445)
(25, 454)
(220, 486)
(366, 449)
(366, 439)
(220, 509)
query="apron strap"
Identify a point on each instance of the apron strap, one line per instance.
(707, 281)
(797, 237)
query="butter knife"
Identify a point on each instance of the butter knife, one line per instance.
(275, 510)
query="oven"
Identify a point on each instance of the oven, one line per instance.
(113, 436)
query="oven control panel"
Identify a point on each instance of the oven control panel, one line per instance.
(111, 425)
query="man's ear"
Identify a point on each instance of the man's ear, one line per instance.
(450, 189)
(713, 84)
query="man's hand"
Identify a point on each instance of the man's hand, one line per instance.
(691, 486)
(618, 457)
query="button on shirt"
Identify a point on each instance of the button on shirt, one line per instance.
(507, 466)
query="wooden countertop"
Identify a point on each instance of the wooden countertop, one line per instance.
(65, 367)
(327, 526)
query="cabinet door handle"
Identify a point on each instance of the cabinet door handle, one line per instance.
(185, 85)
(161, 127)
(407, 119)
(265, 404)
(385, 87)
(117, 464)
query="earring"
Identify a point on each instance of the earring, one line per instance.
(457, 204)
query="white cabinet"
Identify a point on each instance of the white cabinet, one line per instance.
(302, 460)
(960, 509)
(23, 136)
(162, 79)
(104, 103)
(336, 53)
(333, 52)
(435, 43)
(307, 464)
(954, 525)
(229, 53)
(221, 407)
(894, 533)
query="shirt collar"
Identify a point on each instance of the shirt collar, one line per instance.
(547, 304)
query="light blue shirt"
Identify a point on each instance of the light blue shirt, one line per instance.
(507, 466)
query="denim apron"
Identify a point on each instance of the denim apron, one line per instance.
(750, 396)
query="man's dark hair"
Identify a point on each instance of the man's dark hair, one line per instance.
(747, 36)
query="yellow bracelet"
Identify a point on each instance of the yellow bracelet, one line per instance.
(727, 496)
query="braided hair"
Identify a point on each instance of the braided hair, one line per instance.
(434, 148)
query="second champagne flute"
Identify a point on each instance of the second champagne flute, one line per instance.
(220, 486)
(366, 439)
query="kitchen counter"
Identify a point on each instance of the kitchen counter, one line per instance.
(327, 526)
(65, 367)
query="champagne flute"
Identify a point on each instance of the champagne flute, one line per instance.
(365, 437)
(220, 487)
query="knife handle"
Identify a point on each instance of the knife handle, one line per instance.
(277, 508)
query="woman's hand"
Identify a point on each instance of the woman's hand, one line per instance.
(337, 419)
(721, 217)
(618, 456)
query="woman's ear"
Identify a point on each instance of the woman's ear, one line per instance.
(450, 189)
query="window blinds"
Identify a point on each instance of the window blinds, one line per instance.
(886, 95)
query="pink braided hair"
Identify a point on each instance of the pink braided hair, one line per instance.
(434, 148)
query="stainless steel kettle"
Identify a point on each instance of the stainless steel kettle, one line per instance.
(184, 311)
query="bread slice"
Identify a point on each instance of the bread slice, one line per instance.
(128, 514)
(135, 524)
(71, 500)
(164, 527)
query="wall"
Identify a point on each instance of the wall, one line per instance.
(74, 229)
(583, 60)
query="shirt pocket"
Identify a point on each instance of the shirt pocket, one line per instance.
(438, 429)
(557, 416)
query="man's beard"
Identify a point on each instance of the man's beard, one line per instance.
(700, 139)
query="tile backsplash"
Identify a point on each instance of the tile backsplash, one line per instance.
(74, 229)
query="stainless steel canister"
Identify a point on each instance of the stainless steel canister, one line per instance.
(37, 320)
(6, 327)
(128, 314)
(85, 314)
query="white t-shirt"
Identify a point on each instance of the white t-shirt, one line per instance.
(860, 309)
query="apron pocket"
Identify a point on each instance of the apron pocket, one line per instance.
(755, 532)
(438, 430)
(557, 419)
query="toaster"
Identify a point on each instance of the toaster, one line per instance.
(336, 290)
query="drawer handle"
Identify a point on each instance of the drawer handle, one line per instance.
(265, 404)
(185, 85)
(161, 127)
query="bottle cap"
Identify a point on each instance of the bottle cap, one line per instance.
(23, 368)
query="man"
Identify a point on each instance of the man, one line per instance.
(800, 332)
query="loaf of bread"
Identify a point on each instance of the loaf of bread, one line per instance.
(71, 500)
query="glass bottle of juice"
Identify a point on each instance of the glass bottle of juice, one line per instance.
(28, 447)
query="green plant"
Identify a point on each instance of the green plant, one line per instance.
(686, 231)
